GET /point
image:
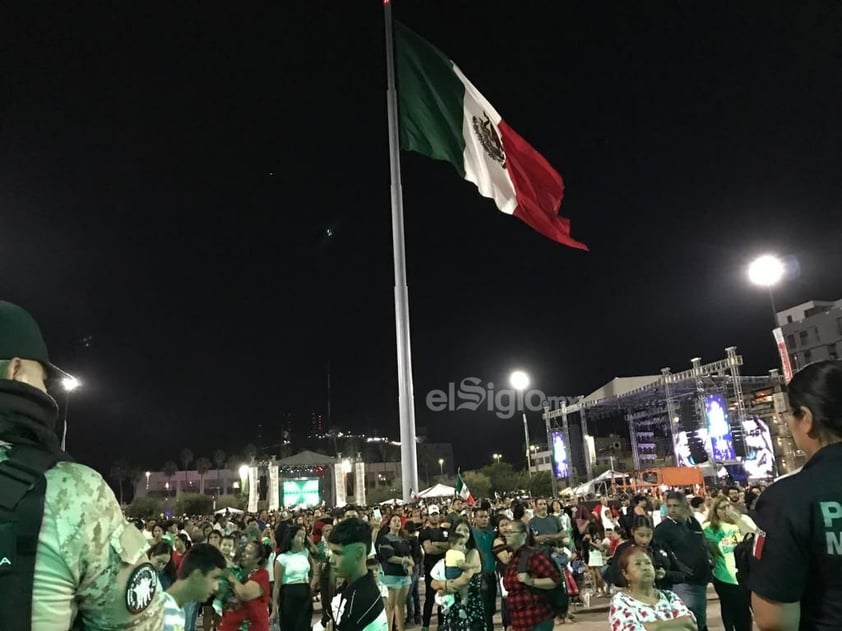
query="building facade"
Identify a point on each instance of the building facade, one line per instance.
(812, 331)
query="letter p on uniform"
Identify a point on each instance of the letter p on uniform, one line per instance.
(830, 511)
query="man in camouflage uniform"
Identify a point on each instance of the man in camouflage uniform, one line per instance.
(91, 564)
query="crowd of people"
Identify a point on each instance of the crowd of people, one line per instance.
(469, 558)
(652, 555)
(774, 555)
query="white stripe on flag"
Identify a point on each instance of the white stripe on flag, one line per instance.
(491, 178)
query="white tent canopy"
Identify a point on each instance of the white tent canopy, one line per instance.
(392, 501)
(439, 490)
(232, 511)
(602, 482)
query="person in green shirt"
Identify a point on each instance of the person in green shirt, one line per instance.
(725, 529)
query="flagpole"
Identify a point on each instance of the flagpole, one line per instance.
(406, 403)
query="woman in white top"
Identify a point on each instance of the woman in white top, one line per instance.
(296, 578)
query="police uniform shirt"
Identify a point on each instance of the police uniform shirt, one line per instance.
(86, 557)
(797, 552)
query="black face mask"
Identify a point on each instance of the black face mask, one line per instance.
(28, 416)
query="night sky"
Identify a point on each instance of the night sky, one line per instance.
(170, 174)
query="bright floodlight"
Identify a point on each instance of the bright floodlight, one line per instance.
(519, 380)
(766, 270)
(244, 471)
(70, 383)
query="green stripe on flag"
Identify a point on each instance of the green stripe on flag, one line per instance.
(430, 98)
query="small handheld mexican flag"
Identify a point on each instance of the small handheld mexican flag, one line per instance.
(443, 116)
(462, 489)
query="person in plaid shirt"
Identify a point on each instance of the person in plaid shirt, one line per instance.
(527, 610)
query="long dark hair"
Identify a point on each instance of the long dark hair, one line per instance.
(164, 547)
(471, 543)
(289, 535)
(495, 523)
(384, 529)
(818, 387)
(641, 521)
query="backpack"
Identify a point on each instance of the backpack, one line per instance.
(742, 557)
(22, 490)
(557, 597)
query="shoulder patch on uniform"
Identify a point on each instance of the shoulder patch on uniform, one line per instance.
(141, 588)
(759, 542)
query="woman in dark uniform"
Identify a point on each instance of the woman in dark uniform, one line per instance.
(796, 563)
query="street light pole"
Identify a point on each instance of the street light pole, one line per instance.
(441, 467)
(69, 384)
(520, 382)
(774, 308)
(767, 271)
(528, 446)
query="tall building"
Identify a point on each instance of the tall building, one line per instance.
(812, 331)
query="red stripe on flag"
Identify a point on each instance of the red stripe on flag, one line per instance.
(539, 189)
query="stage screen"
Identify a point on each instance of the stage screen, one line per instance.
(682, 448)
(719, 431)
(303, 492)
(759, 462)
(561, 466)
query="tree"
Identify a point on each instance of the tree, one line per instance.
(135, 476)
(479, 484)
(120, 473)
(502, 475)
(379, 494)
(202, 466)
(169, 470)
(146, 506)
(218, 460)
(194, 504)
(540, 484)
(233, 464)
(250, 452)
(229, 501)
(186, 457)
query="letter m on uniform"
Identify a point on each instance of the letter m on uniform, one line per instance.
(834, 543)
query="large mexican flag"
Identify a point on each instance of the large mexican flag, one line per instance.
(443, 116)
